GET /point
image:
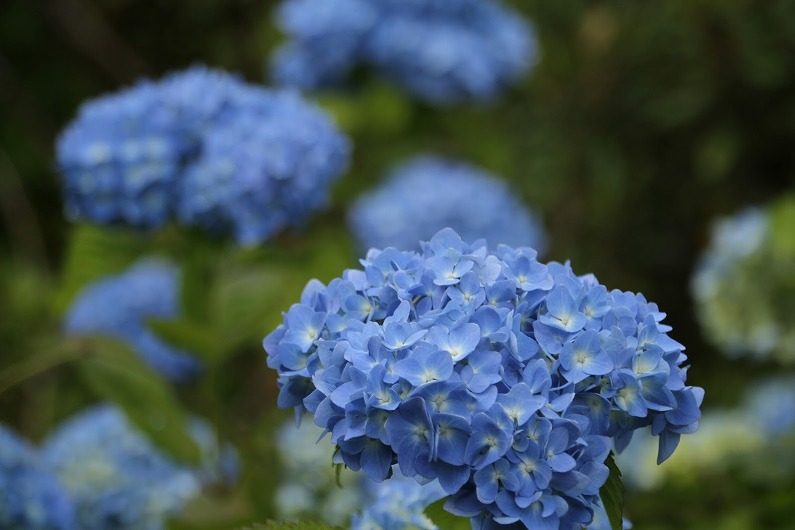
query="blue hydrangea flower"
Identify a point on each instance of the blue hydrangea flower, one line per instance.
(442, 51)
(389, 360)
(397, 504)
(308, 486)
(203, 146)
(748, 259)
(31, 498)
(115, 476)
(428, 193)
(119, 306)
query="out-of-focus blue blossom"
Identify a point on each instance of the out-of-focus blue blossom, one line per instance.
(442, 51)
(744, 261)
(398, 362)
(427, 193)
(398, 503)
(308, 485)
(268, 168)
(31, 498)
(204, 146)
(737, 437)
(119, 306)
(770, 406)
(116, 477)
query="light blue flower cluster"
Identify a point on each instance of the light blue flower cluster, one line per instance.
(505, 379)
(428, 193)
(308, 487)
(203, 146)
(770, 407)
(119, 306)
(30, 496)
(114, 475)
(442, 51)
(749, 259)
(397, 504)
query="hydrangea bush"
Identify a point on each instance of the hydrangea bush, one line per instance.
(119, 306)
(31, 498)
(117, 478)
(427, 193)
(441, 51)
(749, 259)
(505, 379)
(204, 147)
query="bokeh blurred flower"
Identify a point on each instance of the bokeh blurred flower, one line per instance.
(397, 504)
(203, 146)
(116, 477)
(504, 379)
(442, 51)
(119, 306)
(308, 487)
(427, 193)
(31, 498)
(726, 439)
(750, 260)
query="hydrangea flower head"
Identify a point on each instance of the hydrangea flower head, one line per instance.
(442, 51)
(202, 146)
(114, 474)
(506, 380)
(428, 193)
(745, 261)
(119, 306)
(31, 498)
(309, 486)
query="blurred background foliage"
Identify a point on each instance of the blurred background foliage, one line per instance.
(642, 123)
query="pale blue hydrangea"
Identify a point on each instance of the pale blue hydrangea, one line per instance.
(116, 477)
(397, 504)
(442, 51)
(308, 487)
(505, 379)
(120, 306)
(161, 150)
(427, 193)
(770, 407)
(31, 498)
(270, 167)
(747, 261)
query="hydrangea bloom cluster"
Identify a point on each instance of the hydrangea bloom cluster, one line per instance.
(308, 487)
(30, 496)
(505, 379)
(203, 146)
(397, 504)
(441, 51)
(115, 476)
(428, 193)
(745, 261)
(119, 306)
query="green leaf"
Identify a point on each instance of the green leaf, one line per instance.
(114, 373)
(612, 493)
(195, 338)
(443, 519)
(95, 252)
